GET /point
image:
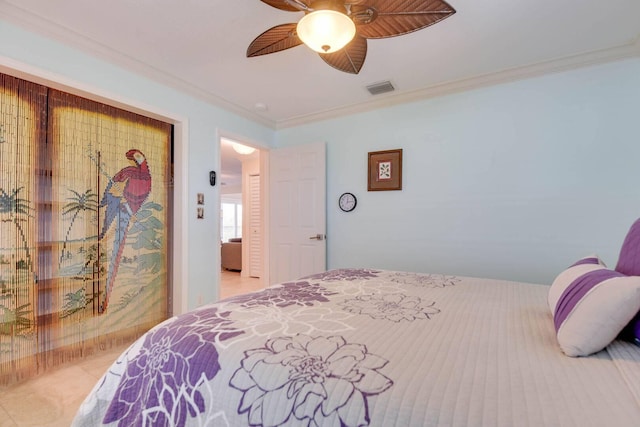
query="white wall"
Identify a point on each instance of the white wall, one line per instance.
(26, 55)
(514, 181)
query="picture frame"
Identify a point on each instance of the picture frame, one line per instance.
(385, 170)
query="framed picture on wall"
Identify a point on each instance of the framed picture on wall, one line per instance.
(385, 170)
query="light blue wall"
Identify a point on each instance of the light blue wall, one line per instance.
(203, 122)
(513, 181)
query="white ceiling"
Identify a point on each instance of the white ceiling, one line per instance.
(199, 46)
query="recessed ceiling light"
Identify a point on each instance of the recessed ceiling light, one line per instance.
(242, 149)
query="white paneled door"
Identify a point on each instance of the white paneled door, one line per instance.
(298, 211)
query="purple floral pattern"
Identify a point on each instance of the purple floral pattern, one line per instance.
(345, 274)
(268, 322)
(159, 385)
(293, 293)
(291, 355)
(309, 381)
(393, 307)
(425, 280)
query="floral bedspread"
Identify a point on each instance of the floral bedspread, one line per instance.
(303, 353)
(359, 347)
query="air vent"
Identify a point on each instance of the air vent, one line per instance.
(382, 87)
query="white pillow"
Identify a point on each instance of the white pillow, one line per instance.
(591, 305)
(583, 265)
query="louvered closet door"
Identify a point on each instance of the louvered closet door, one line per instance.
(255, 227)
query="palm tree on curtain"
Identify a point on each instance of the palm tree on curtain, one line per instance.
(75, 301)
(13, 323)
(79, 202)
(14, 207)
(16, 320)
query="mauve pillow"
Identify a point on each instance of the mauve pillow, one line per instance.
(593, 306)
(629, 260)
(629, 264)
(631, 332)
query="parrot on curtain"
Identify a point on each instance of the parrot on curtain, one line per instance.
(123, 197)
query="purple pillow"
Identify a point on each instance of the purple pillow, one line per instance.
(631, 332)
(629, 259)
(629, 264)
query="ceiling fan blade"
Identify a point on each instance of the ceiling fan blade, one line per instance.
(288, 5)
(391, 18)
(350, 58)
(273, 40)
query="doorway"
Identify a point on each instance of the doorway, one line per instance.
(291, 229)
(241, 218)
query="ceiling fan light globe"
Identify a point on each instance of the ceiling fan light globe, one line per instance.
(326, 31)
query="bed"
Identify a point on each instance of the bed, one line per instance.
(364, 347)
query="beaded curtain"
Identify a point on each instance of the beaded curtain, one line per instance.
(84, 254)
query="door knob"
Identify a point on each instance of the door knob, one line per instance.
(317, 237)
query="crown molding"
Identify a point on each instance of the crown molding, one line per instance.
(625, 51)
(69, 37)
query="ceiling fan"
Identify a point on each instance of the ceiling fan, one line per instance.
(353, 21)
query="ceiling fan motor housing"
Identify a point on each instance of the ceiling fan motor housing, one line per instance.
(337, 5)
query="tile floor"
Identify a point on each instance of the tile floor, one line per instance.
(51, 400)
(234, 284)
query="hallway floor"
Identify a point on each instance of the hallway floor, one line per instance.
(51, 400)
(234, 284)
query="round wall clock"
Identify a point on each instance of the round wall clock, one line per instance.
(347, 202)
